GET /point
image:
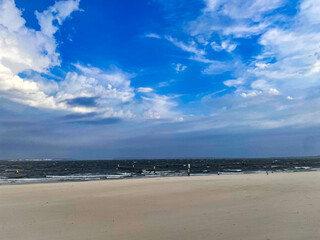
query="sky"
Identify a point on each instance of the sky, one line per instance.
(104, 79)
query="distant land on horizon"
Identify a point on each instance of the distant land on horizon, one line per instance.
(155, 159)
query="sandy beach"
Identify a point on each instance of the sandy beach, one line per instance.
(249, 207)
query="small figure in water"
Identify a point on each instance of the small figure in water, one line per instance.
(17, 172)
(218, 173)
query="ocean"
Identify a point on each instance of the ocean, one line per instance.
(37, 171)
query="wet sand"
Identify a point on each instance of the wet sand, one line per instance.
(249, 207)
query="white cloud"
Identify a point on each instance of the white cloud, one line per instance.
(23, 49)
(309, 11)
(160, 107)
(296, 50)
(201, 39)
(153, 35)
(59, 12)
(261, 65)
(239, 9)
(240, 18)
(197, 54)
(250, 93)
(191, 47)
(144, 89)
(273, 91)
(114, 95)
(114, 85)
(10, 16)
(265, 87)
(179, 67)
(315, 68)
(208, 97)
(225, 45)
(201, 59)
(229, 47)
(260, 84)
(234, 82)
(166, 83)
(110, 89)
(217, 67)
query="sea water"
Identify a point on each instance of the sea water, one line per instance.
(35, 171)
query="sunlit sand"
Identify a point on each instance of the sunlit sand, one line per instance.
(249, 207)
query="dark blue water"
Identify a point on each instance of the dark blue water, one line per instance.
(55, 171)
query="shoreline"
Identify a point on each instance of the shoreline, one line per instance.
(153, 177)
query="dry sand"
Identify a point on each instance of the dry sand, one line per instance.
(248, 207)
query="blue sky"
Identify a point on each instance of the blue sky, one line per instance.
(158, 78)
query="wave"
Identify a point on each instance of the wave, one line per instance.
(232, 170)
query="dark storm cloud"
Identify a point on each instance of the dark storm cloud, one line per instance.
(34, 135)
(82, 101)
(104, 121)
